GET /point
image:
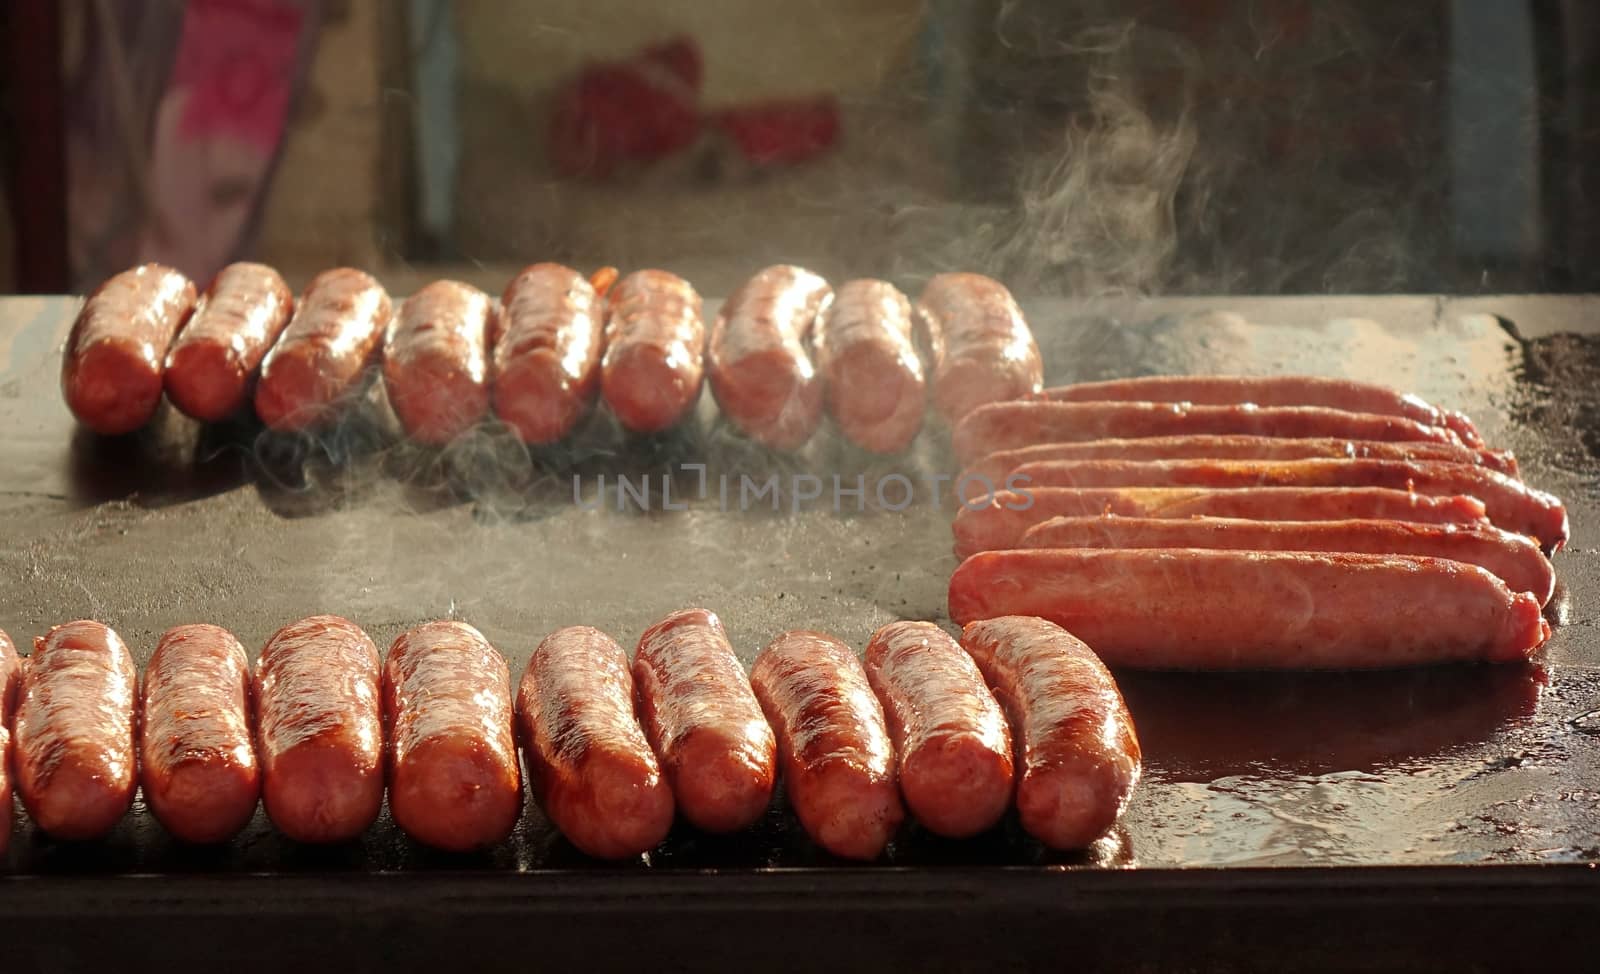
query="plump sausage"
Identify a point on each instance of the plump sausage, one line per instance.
(1277, 390)
(704, 722)
(213, 361)
(319, 730)
(1001, 523)
(197, 755)
(453, 778)
(111, 371)
(1512, 558)
(10, 684)
(953, 746)
(871, 375)
(655, 351)
(1077, 755)
(1011, 425)
(74, 731)
(322, 354)
(436, 361)
(760, 371)
(981, 348)
(838, 762)
(549, 336)
(588, 761)
(1509, 504)
(1182, 608)
(994, 467)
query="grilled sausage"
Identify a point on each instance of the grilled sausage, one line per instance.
(111, 371)
(197, 756)
(436, 361)
(1010, 425)
(588, 761)
(760, 371)
(320, 358)
(1077, 755)
(703, 722)
(549, 336)
(1277, 390)
(74, 731)
(655, 345)
(11, 666)
(870, 372)
(1001, 523)
(838, 762)
(1512, 558)
(1184, 608)
(212, 363)
(319, 731)
(1509, 503)
(981, 348)
(453, 778)
(953, 746)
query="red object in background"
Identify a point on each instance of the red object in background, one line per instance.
(638, 110)
(781, 132)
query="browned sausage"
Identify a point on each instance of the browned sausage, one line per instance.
(1188, 608)
(549, 336)
(704, 722)
(982, 349)
(213, 361)
(1078, 757)
(760, 371)
(436, 361)
(319, 730)
(953, 744)
(320, 358)
(838, 762)
(74, 732)
(197, 755)
(10, 684)
(870, 371)
(111, 371)
(588, 761)
(655, 351)
(453, 778)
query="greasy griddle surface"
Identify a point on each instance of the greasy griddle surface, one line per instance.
(225, 525)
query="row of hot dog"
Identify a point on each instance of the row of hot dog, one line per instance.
(1019, 711)
(784, 345)
(1232, 522)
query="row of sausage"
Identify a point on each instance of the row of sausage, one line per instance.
(784, 345)
(1018, 712)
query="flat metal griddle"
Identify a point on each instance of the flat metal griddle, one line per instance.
(1412, 814)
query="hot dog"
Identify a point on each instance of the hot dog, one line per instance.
(213, 361)
(111, 371)
(760, 371)
(588, 761)
(10, 685)
(319, 360)
(1512, 558)
(319, 730)
(1010, 425)
(453, 778)
(197, 755)
(1001, 523)
(871, 375)
(704, 722)
(655, 345)
(1186, 608)
(837, 759)
(436, 362)
(74, 731)
(1509, 504)
(1277, 390)
(1077, 755)
(981, 348)
(951, 739)
(549, 336)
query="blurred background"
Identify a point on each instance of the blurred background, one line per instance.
(1072, 147)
